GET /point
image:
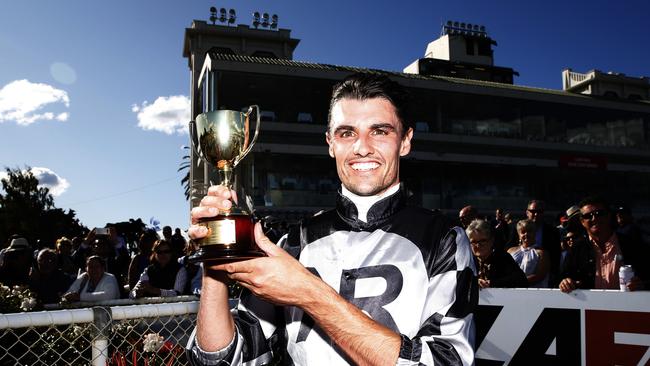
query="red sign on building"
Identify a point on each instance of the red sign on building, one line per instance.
(594, 162)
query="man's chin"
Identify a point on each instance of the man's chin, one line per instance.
(365, 191)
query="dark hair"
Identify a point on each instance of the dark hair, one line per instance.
(147, 240)
(158, 243)
(539, 203)
(98, 259)
(361, 86)
(594, 200)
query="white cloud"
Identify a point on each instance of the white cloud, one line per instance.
(167, 114)
(62, 116)
(46, 178)
(23, 102)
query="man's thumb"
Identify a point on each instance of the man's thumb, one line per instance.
(265, 243)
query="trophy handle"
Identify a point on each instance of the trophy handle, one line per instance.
(195, 141)
(246, 129)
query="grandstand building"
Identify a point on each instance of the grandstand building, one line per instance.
(480, 139)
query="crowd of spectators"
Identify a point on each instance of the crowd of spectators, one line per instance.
(584, 249)
(99, 267)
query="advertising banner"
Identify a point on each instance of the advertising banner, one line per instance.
(549, 327)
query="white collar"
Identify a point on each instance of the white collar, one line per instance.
(363, 203)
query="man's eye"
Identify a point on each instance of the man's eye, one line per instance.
(346, 134)
(380, 132)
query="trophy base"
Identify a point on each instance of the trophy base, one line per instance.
(218, 256)
(230, 238)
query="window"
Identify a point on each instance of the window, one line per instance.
(484, 48)
(469, 46)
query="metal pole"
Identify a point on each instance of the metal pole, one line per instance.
(102, 319)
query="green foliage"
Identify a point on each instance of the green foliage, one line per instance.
(28, 210)
(186, 163)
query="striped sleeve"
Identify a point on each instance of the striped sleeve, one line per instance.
(256, 332)
(446, 337)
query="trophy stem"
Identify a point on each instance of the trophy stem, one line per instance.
(225, 176)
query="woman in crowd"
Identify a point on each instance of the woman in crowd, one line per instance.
(496, 268)
(95, 284)
(64, 258)
(533, 261)
(163, 277)
(141, 260)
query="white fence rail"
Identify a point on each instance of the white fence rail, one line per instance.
(514, 327)
(148, 334)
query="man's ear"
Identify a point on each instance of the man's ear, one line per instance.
(330, 149)
(405, 146)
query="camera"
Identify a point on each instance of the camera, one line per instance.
(101, 231)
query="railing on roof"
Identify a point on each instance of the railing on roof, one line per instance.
(571, 78)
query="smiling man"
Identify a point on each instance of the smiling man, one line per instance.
(371, 282)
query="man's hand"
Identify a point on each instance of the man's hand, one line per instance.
(567, 285)
(219, 199)
(277, 278)
(635, 284)
(483, 283)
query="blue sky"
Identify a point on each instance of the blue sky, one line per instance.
(95, 93)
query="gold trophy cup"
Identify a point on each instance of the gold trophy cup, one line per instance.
(222, 139)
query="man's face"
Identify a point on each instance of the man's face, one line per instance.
(167, 232)
(535, 212)
(466, 217)
(596, 219)
(365, 138)
(568, 241)
(46, 262)
(623, 218)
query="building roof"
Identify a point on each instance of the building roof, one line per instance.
(215, 56)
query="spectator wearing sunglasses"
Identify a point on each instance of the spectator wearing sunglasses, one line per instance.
(164, 277)
(547, 237)
(595, 263)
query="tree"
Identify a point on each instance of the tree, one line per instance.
(28, 210)
(186, 163)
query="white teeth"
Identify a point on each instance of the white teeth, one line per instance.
(364, 166)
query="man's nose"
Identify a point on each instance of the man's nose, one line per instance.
(363, 146)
